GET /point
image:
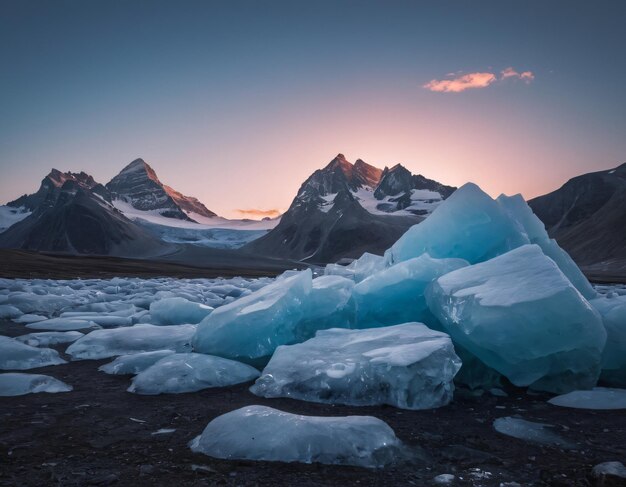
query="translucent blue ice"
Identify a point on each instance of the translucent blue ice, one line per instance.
(263, 433)
(520, 315)
(408, 366)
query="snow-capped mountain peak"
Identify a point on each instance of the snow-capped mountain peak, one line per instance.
(138, 185)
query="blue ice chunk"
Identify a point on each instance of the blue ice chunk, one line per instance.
(520, 315)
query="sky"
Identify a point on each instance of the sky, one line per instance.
(238, 102)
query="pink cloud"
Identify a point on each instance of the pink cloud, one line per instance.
(458, 83)
(526, 76)
(461, 83)
(255, 213)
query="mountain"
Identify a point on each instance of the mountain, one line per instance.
(587, 217)
(346, 209)
(74, 214)
(138, 185)
(51, 187)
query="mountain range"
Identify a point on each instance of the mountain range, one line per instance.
(341, 210)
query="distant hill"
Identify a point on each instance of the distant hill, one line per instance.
(587, 217)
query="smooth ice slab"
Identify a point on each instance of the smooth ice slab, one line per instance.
(178, 311)
(18, 384)
(408, 366)
(62, 324)
(134, 339)
(47, 338)
(263, 433)
(468, 225)
(522, 317)
(134, 363)
(15, 355)
(250, 328)
(190, 372)
(396, 294)
(597, 398)
(529, 431)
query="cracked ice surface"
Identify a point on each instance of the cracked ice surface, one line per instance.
(408, 366)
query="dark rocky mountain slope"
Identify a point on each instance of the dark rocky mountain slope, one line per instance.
(587, 217)
(346, 209)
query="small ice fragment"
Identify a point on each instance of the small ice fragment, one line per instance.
(164, 431)
(529, 431)
(47, 338)
(190, 372)
(62, 324)
(134, 363)
(597, 398)
(178, 311)
(444, 479)
(15, 355)
(137, 420)
(18, 384)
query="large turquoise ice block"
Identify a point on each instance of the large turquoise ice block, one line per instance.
(468, 225)
(250, 328)
(535, 230)
(396, 294)
(520, 315)
(408, 366)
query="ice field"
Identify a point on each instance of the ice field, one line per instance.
(476, 296)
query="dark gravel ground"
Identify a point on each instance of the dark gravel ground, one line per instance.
(87, 437)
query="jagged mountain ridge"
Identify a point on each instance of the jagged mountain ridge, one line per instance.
(346, 209)
(73, 213)
(587, 217)
(138, 185)
(75, 219)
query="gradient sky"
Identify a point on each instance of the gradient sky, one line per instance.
(237, 102)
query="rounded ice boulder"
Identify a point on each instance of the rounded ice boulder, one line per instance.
(190, 372)
(263, 433)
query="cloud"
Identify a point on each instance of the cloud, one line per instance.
(456, 83)
(255, 213)
(509, 72)
(461, 83)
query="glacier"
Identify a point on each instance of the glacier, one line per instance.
(190, 372)
(408, 366)
(18, 384)
(101, 344)
(264, 433)
(520, 315)
(15, 355)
